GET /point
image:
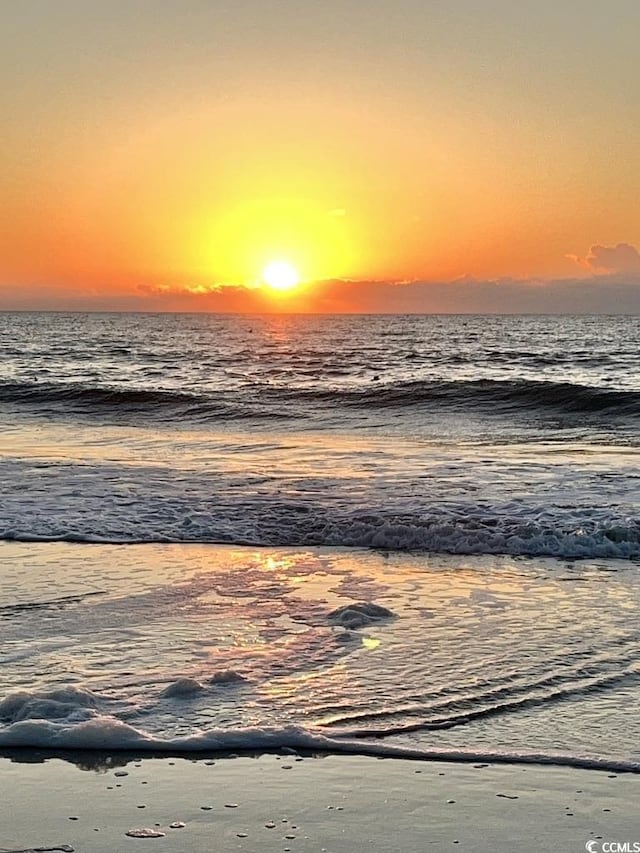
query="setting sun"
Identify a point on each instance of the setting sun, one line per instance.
(280, 275)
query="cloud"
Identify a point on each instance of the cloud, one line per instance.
(595, 294)
(623, 259)
(476, 296)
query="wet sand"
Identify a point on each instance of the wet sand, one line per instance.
(334, 804)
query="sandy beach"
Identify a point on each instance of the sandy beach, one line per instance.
(288, 803)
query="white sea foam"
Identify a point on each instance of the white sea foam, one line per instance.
(53, 704)
(107, 734)
(614, 541)
(359, 614)
(570, 510)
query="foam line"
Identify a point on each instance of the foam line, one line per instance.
(107, 734)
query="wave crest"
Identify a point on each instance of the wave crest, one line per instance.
(489, 393)
(133, 401)
(273, 401)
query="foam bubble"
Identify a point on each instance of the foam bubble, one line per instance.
(47, 705)
(183, 688)
(359, 614)
(227, 676)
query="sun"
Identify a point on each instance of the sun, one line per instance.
(280, 275)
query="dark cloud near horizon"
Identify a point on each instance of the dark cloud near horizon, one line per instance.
(505, 296)
(598, 294)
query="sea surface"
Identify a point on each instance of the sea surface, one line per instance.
(427, 534)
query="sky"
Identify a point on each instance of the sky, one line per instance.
(401, 155)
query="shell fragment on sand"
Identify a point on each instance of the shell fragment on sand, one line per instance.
(145, 832)
(63, 848)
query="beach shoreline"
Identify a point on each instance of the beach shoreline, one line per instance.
(291, 802)
(143, 684)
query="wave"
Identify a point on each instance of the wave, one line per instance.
(441, 533)
(70, 719)
(267, 400)
(489, 394)
(450, 504)
(132, 401)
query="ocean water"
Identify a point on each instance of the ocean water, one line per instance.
(427, 529)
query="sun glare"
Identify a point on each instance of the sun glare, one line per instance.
(280, 275)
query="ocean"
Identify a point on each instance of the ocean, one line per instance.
(387, 534)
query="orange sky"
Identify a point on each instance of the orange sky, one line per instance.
(154, 147)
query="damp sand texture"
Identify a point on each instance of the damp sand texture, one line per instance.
(334, 804)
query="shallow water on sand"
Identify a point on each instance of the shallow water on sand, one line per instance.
(147, 645)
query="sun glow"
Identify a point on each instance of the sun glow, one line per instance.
(275, 244)
(280, 275)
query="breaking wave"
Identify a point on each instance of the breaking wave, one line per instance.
(131, 401)
(467, 530)
(269, 400)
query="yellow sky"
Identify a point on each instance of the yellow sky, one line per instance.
(187, 144)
